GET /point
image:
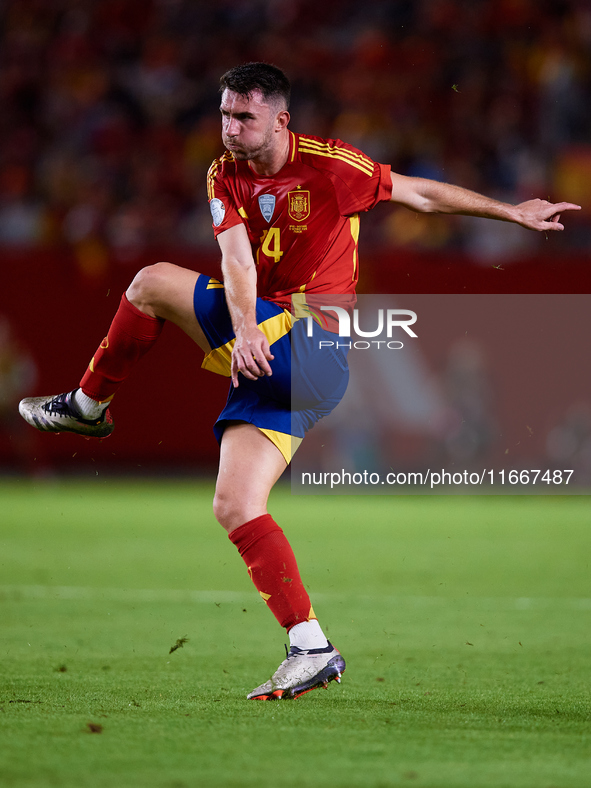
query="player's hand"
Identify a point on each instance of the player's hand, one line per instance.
(543, 215)
(251, 355)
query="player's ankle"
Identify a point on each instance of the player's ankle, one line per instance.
(307, 634)
(88, 408)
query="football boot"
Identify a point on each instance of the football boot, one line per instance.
(59, 414)
(302, 671)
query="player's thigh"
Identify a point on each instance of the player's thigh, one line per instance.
(166, 291)
(249, 467)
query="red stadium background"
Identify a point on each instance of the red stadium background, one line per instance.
(165, 411)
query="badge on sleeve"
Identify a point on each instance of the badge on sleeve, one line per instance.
(218, 211)
(267, 206)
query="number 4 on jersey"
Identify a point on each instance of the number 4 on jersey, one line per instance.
(271, 244)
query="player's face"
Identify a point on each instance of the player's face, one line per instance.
(248, 125)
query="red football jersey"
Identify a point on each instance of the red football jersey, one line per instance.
(302, 222)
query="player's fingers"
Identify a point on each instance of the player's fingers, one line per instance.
(251, 364)
(251, 357)
(263, 363)
(262, 355)
(249, 369)
(566, 206)
(239, 366)
(234, 373)
(553, 223)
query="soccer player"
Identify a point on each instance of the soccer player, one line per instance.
(285, 211)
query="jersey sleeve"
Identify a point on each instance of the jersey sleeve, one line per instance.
(222, 205)
(360, 183)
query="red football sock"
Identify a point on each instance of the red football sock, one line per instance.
(273, 569)
(131, 334)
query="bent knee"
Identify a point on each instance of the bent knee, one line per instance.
(229, 511)
(225, 511)
(146, 289)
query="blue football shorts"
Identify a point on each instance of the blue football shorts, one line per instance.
(308, 380)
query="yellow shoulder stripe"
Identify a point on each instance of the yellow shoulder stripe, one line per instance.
(357, 160)
(212, 172)
(322, 145)
(210, 178)
(366, 170)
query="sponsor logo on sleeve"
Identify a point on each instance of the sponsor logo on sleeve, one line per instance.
(218, 211)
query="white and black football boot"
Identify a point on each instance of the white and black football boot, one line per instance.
(302, 671)
(59, 414)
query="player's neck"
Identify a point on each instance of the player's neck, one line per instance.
(274, 159)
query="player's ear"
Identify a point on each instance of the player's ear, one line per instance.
(282, 120)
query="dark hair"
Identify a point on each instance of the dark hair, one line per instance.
(245, 79)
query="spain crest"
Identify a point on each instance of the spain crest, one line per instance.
(299, 204)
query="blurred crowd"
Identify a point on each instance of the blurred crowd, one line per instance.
(110, 109)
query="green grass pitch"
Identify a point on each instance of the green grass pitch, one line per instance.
(465, 623)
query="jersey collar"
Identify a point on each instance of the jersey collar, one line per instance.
(291, 157)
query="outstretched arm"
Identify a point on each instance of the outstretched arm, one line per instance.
(251, 353)
(425, 196)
